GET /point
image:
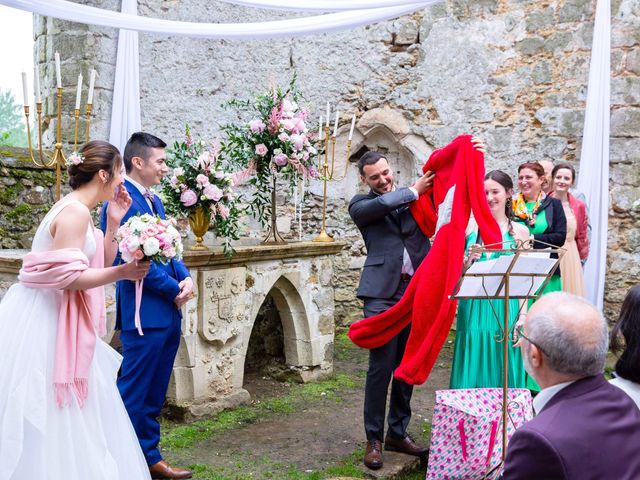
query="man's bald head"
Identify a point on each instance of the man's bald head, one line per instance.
(548, 169)
(571, 332)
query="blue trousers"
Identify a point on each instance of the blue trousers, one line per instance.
(144, 377)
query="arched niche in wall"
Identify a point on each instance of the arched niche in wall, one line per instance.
(384, 130)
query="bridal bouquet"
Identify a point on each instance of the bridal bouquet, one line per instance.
(148, 237)
(273, 140)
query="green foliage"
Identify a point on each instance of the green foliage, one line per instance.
(276, 142)
(12, 128)
(197, 171)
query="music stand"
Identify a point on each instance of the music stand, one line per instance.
(517, 276)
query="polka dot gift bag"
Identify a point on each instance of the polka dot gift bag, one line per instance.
(466, 433)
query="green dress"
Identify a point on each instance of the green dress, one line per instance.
(540, 226)
(477, 356)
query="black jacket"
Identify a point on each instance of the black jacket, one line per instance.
(387, 227)
(556, 232)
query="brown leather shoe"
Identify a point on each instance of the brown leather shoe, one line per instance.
(163, 470)
(373, 454)
(405, 445)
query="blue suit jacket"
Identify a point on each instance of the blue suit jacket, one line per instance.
(157, 309)
(589, 430)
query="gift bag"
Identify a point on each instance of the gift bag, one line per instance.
(466, 432)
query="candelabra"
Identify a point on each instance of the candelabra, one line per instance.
(58, 158)
(327, 174)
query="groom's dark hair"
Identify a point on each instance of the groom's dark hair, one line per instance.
(138, 146)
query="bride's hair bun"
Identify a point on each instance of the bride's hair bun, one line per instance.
(97, 155)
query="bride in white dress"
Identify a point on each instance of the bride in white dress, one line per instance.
(90, 438)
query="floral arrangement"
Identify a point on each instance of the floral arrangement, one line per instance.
(200, 180)
(149, 237)
(272, 141)
(74, 159)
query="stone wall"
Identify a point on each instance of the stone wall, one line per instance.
(26, 194)
(514, 72)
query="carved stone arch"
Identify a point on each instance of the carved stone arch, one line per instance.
(388, 131)
(295, 321)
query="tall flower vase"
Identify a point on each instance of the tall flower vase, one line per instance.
(199, 221)
(273, 237)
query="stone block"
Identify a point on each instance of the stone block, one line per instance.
(186, 355)
(633, 61)
(625, 174)
(539, 20)
(558, 42)
(561, 121)
(625, 122)
(391, 119)
(624, 197)
(625, 90)
(405, 31)
(575, 11)
(530, 45)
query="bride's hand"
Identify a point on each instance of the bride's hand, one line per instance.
(119, 206)
(135, 270)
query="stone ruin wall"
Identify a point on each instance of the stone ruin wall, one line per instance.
(513, 72)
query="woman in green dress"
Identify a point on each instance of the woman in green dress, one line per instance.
(541, 214)
(477, 356)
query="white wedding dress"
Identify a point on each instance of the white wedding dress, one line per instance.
(38, 440)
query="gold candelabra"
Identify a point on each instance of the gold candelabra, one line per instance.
(327, 174)
(58, 158)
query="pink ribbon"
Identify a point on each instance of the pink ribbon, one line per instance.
(463, 439)
(139, 284)
(492, 440)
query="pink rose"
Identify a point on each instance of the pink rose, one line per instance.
(283, 137)
(256, 126)
(212, 193)
(298, 141)
(261, 149)
(280, 159)
(188, 198)
(202, 180)
(138, 254)
(294, 125)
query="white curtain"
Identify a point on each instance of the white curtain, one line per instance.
(125, 111)
(232, 31)
(320, 5)
(593, 180)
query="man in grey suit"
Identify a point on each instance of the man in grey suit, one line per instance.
(395, 248)
(585, 427)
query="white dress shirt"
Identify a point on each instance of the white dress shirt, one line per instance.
(547, 394)
(141, 189)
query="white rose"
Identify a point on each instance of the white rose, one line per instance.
(151, 247)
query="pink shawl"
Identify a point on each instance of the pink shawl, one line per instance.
(79, 309)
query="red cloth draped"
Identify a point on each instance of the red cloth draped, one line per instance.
(426, 301)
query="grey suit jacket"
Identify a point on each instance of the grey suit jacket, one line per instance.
(589, 430)
(387, 227)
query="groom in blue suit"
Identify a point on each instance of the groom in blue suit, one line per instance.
(148, 359)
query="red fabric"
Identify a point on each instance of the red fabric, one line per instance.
(426, 301)
(579, 209)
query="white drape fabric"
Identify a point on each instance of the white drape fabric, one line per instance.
(320, 5)
(594, 156)
(232, 31)
(125, 110)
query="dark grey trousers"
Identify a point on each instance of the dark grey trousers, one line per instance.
(382, 362)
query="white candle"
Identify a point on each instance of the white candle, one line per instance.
(78, 92)
(335, 125)
(36, 81)
(92, 81)
(353, 124)
(25, 91)
(320, 129)
(328, 114)
(58, 77)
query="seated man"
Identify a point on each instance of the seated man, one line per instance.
(585, 427)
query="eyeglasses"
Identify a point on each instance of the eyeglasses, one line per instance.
(518, 335)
